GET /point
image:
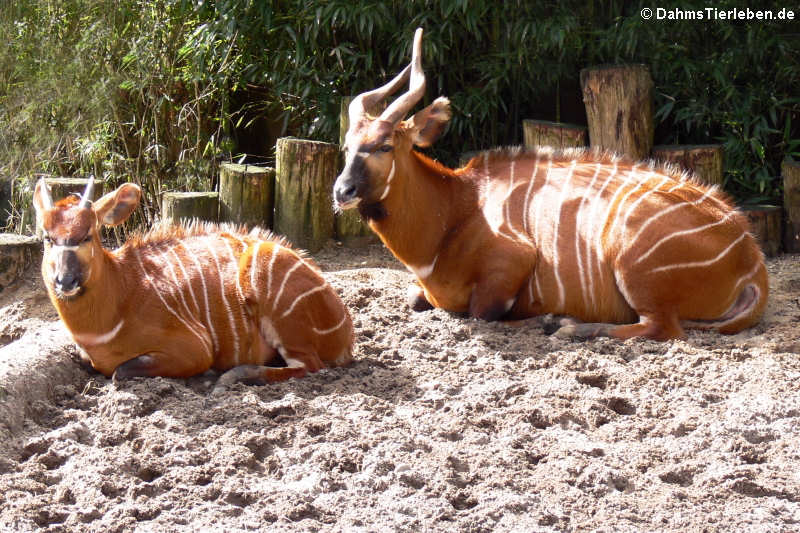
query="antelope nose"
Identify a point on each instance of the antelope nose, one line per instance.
(344, 192)
(66, 282)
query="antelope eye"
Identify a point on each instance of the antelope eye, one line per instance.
(47, 240)
(386, 148)
(88, 237)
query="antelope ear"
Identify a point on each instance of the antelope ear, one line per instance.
(115, 207)
(41, 197)
(427, 125)
(42, 201)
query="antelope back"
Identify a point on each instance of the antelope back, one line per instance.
(615, 236)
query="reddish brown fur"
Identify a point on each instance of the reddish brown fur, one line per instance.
(179, 300)
(581, 233)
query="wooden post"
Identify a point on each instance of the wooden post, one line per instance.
(790, 170)
(555, 134)
(246, 194)
(351, 229)
(704, 160)
(179, 207)
(619, 108)
(305, 172)
(17, 252)
(765, 223)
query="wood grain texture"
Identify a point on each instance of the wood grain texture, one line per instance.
(619, 108)
(246, 194)
(305, 172)
(704, 160)
(790, 170)
(184, 206)
(555, 134)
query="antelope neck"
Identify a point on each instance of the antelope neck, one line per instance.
(95, 313)
(418, 214)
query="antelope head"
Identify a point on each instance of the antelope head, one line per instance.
(375, 146)
(71, 229)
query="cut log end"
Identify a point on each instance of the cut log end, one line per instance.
(177, 207)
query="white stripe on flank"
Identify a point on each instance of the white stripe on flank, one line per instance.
(681, 233)
(331, 329)
(530, 288)
(628, 194)
(602, 222)
(190, 288)
(516, 235)
(701, 263)
(528, 192)
(676, 186)
(593, 225)
(176, 285)
(538, 202)
(225, 303)
(666, 211)
(735, 296)
(189, 327)
(209, 323)
(283, 283)
(87, 339)
(565, 188)
(253, 265)
(581, 269)
(275, 250)
(639, 200)
(300, 297)
(506, 206)
(240, 294)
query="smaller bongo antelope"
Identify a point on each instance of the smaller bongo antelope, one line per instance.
(179, 300)
(631, 248)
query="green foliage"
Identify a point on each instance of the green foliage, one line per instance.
(159, 91)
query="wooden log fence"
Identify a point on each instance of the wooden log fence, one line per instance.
(246, 194)
(177, 207)
(704, 160)
(305, 173)
(555, 134)
(790, 171)
(619, 108)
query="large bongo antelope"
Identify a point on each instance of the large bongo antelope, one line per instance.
(630, 248)
(180, 300)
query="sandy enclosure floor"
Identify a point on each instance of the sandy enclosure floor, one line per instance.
(442, 424)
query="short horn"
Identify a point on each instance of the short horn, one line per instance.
(86, 197)
(400, 107)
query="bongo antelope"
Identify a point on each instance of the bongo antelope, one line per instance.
(179, 300)
(628, 247)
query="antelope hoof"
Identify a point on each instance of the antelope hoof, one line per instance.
(581, 331)
(552, 323)
(133, 368)
(416, 299)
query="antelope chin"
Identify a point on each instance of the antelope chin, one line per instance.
(350, 204)
(68, 295)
